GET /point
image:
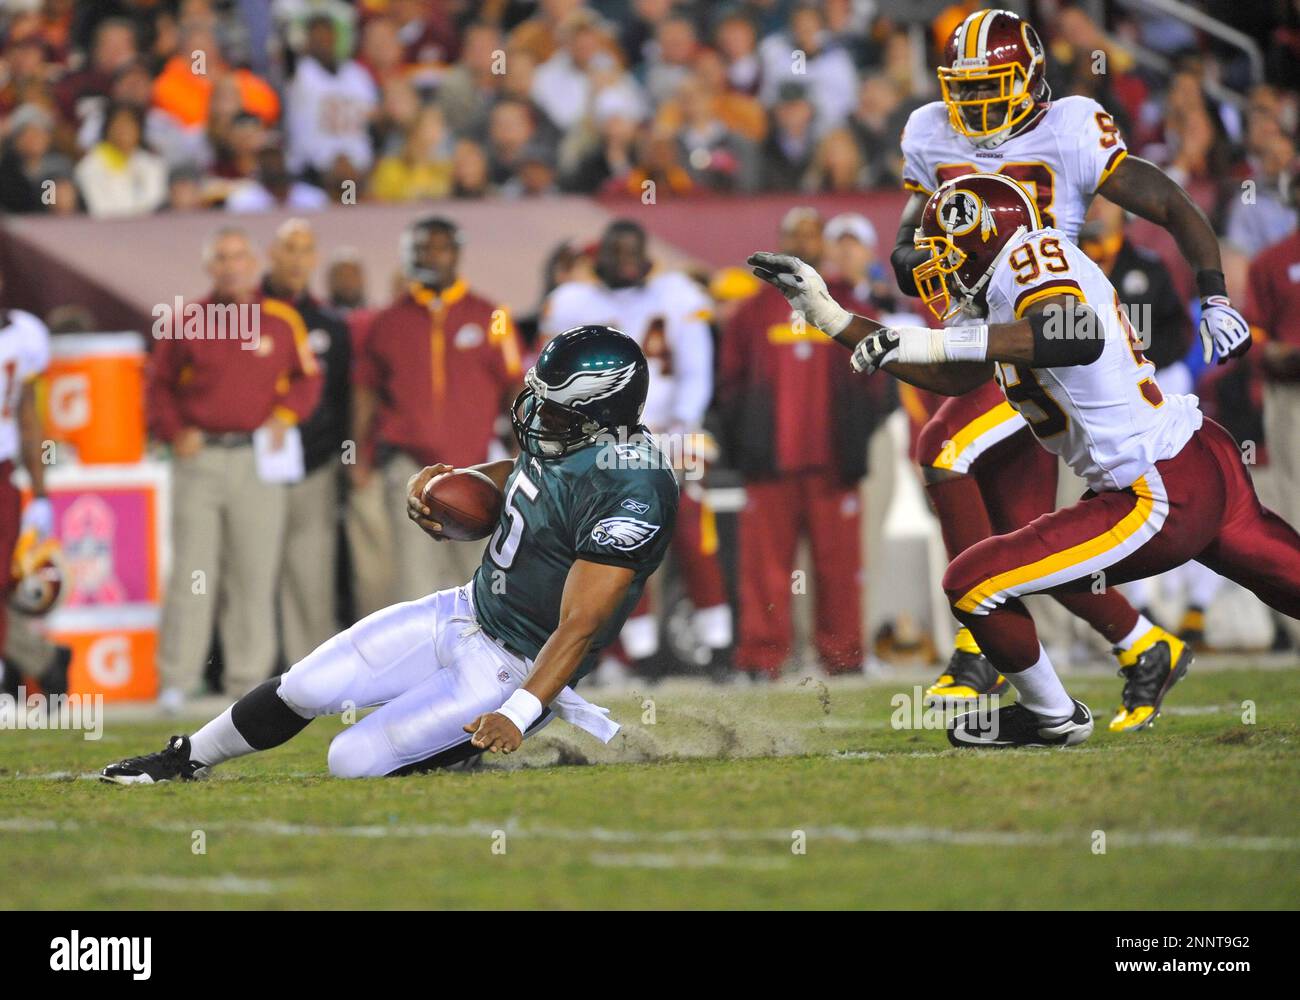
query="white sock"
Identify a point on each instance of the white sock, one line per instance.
(218, 741)
(1041, 691)
(1143, 626)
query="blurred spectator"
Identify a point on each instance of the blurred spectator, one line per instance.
(788, 151)
(852, 253)
(28, 165)
(423, 168)
(511, 127)
(534, 175)
(381, 52)
(118, 177)
(468, 89)
(436, 370)
(837, 164)
(185, 189)
(563, 84)
(184, 87)
(399, 103)
(1260, 213)
(84, 91)
(737, 40)
(206, 398)
(307, 606)
(274, 187)
(806, 54)
(427, 32)
(740, 113)
(1142, 281)
(329, 105)
(470, 170)
(669, 64)
(541, 33)
(614, 154)
(876, 123)
(718, 159)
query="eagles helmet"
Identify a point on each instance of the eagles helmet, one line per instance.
(588, 381)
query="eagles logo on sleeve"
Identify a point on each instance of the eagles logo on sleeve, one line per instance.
(623, 533)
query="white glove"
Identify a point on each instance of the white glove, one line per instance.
(920, 345)
(804, 288)
(39, 514)
(1223, 330)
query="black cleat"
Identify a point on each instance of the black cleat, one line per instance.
(1017, 726)
(1148, 677)
(172, 763)
(968, 676)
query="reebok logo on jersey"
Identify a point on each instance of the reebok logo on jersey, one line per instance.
(634, 506)
(623, 533)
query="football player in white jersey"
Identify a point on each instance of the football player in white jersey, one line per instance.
(668, 315)
(1165, 483)
(24, 356)
(983, 474)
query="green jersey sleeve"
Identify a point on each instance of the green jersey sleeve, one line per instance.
(627, 522)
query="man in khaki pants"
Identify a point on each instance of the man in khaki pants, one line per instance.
(436, 371)
(307, 605)
(249, 368)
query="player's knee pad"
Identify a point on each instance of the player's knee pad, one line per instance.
(353, 753)
(932, 443)
(314, 685)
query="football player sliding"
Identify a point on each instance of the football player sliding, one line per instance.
(983, 472)
(1165, 483)
(586, 521)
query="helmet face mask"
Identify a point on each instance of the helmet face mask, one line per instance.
(966, 226)
(588, 381)
(993, 77)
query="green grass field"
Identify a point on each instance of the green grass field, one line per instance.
(706, 807)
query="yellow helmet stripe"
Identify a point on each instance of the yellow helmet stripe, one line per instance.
(971, 45)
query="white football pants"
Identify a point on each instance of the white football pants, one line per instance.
(426, 662)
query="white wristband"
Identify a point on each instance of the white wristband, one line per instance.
(522, 708)
(966, 343)
(835, 320)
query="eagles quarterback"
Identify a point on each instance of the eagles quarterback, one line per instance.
(590, 506)
(983, 472)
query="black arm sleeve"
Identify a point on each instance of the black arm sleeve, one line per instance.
(906, 257)
(1066, 341)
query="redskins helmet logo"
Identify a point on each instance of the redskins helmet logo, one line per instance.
(961, 211)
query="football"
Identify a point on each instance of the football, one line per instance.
(465, 502)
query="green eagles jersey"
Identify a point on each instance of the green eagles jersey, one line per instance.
(606, 503)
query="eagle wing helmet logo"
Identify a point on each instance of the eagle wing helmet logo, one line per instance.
(584, 387)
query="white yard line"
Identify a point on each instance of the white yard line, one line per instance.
(896, 835)
(228, 884)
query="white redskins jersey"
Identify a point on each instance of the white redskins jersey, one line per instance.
(668, 317)
(1109, 419)
(24, 354)
(1062, 158)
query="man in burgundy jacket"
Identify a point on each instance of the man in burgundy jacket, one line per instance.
(437, 368)
(797, 428)
(219, 370)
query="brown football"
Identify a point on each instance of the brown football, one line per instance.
(466, 503)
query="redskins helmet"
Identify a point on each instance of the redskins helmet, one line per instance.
(966, 225)
(37, 574)
(993, 75)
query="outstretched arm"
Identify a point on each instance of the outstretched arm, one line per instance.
(1144, 189)
(806, 291)
(905, 256)
(592, 592)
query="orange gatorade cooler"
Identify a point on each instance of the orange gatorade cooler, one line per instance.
(95, 395)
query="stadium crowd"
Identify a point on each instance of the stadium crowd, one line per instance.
(127, 107)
